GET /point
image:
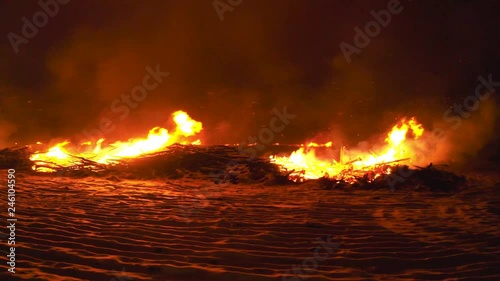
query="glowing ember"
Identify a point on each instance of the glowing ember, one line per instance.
(305, 164)
(157, 139)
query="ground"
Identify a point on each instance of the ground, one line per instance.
(99, 229)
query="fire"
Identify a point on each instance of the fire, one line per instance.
(157, 139)
(398, 133)
(305, 163)
(313, 144)
(56, 153)
(185, 124)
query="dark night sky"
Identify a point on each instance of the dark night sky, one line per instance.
(231, 74)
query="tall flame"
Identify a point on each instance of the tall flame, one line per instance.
(185, 125)
(157, 139)
(306, 165)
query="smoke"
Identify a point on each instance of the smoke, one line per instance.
(461, 146)
(231, 74)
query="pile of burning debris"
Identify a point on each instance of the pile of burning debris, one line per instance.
(218, 163)
(226, 164)
(176, 154)
(400, 177)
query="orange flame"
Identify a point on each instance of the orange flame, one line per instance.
(158, 138)
(306, 165)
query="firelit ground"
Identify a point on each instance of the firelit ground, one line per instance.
(94, 229)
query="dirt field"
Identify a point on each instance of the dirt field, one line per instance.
(97, 229)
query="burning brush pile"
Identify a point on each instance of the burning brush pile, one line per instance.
(388, 165)
(305, 164)
(159, 154)
(178, 153)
